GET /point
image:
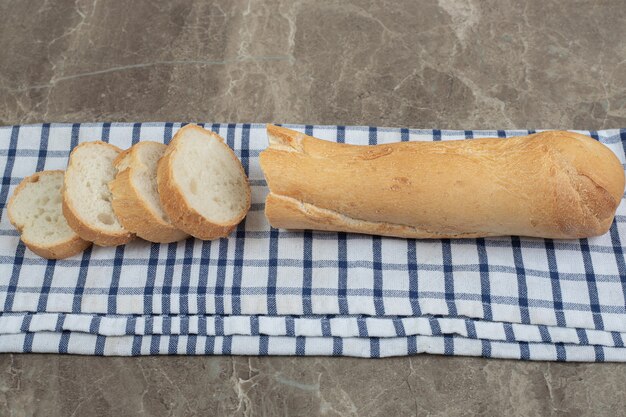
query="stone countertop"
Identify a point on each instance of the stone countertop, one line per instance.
(465, 64)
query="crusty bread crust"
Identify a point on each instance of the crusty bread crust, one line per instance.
(553, 184)
(181, 213)
(83, 228)
(65, 249)
(132, 210)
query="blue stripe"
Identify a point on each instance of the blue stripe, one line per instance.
(131, 324)
(240, 234)
(8, 168)
(448, 345)
(45, 288)
(148, 297)
(307, 257)
(524, 351)
(592, 287)
(561, 353)
(435, 329)
(448, 276)
(342, 271)
(379, 301)
(486, 348)
(80, 283)
(272, 272)
(167, 133)
(362, 326)
(556, 285)
(373, 136)
(436, 135)
(115, 279)
(94, 328)
(411, 345)
(254, 325)
(227, 345)
(136, 135)
(470, 326)
(411, 255)
(205, 255)
(155, 341)
(300, 346)
(58, 328)
(545, 334)
(325, 325)
(599, 352)
(15, 276)
(202, 325)
(106, 132)
(74, 135)
(404, 135)
(172, 347)
(290, 329)
(337, 346)
(136, 348)
(186, 276)
(398, 326)
(263, 345)
(509, 334)
(209, 345)
(375, 347)
(307, 272)
(221, 276)
(168, 279)
(341, 134)
(485, 286)
(522, 289)
(43, 147)
(191, 344)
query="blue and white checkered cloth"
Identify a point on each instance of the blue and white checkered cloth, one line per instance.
(272, 292)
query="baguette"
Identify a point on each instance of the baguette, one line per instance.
(86, 195)
(135, 197)
(35, 211)
(553, 184)
(202, 185)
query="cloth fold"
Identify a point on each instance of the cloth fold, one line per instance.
(274, 292)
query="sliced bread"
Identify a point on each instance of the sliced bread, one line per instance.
(86, 195)
(135, 195)
(35, 211)
(202, 185)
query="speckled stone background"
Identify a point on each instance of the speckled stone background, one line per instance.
(464, 64)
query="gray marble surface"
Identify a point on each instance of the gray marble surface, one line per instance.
(464, 64)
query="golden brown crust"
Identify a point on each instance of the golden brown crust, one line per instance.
(181, 213)
(551, 184)
(83, 228)
(133, 211)
(60, 250)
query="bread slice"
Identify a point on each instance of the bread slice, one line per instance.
(135, 196)
(86, 195)
(35, 211)
(202, 185)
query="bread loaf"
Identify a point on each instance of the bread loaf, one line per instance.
(553, 184)
(35, 211)
(135, 197)
(202, 185)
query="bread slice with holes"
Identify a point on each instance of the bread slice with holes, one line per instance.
(86, 196)
(202, 185)
(135, 196)
(35, 211)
